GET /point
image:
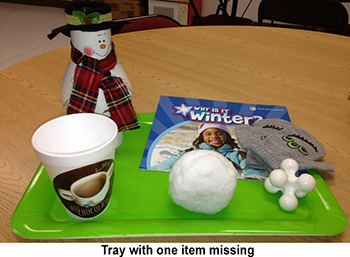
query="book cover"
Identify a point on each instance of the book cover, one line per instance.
(178, 121)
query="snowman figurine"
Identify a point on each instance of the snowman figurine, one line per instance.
(94, 80)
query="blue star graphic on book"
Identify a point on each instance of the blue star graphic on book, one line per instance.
(183, 109)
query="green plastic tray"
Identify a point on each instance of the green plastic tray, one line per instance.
(141, 206)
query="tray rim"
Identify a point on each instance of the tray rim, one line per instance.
(26, 232)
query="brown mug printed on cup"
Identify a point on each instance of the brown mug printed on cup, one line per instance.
(86, 191)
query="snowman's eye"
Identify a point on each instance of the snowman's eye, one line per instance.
(99, 41)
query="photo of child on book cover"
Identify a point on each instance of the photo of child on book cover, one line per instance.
(182, 125)
(209, 136)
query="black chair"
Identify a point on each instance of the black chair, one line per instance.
(323, 15)
(148, 22)
(221, 19)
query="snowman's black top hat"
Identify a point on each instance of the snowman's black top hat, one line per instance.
(88, 16)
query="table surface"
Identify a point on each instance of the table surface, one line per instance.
(309, 72)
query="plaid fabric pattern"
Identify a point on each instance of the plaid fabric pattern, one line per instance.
(92, 74)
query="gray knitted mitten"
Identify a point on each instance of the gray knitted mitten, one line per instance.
(274, 140)
(247, 137)
(262, 128)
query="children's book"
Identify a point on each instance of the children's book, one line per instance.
(179, 120)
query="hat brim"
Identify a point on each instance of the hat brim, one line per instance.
(115, 27)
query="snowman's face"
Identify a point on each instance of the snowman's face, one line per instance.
(96, 44)
(103, 43)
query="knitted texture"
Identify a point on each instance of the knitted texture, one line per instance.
(273, 140)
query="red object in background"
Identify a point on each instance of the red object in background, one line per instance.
(198, 4)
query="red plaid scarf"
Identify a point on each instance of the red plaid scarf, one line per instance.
(92, 74)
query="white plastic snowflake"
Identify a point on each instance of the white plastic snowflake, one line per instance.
(284, 180)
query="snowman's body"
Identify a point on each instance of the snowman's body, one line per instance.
(95, 44)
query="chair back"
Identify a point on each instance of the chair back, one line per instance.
(148, 22)
(316, 13)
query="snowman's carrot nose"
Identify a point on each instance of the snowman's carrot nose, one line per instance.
(103, 46)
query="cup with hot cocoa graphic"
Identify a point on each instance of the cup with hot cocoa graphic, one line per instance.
(77, 151)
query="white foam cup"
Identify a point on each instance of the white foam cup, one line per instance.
(77, 151)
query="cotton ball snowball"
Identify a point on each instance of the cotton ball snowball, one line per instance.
(202, 181)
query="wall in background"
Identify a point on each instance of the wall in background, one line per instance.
(208, 6)
(54, 3)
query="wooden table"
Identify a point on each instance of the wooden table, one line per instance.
(309, 72)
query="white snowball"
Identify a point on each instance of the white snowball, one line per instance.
(202, 181)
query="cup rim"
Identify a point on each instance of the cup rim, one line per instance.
(79, 153)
